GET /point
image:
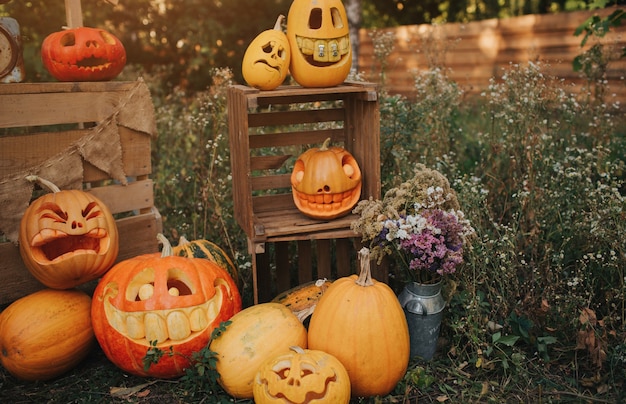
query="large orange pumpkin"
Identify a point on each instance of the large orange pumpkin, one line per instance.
(326, 182)
(45, 334)
(266, 60)
(360, 321)
(319, 36)
(170, 301)
(83, 54)
(255, 335)
(67, 237)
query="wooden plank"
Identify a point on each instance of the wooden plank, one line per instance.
(125, 198)
(344, 257)
(305, 258)
(295, 117)
(268, 162)
(271, 182)
(323, 255)
(296, 138)
(283, 266)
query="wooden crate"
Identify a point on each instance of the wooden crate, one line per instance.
(41, 121)
(268, 130)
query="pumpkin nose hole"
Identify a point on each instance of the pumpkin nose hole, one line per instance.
(325, 189)
(76, 225)
(293, 382)
(92, 44)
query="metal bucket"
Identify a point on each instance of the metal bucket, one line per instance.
(423, 306)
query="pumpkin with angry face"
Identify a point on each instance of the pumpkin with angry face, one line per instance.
(326, 182)
(319, 36)
(83, 54)
(67, 237)
(164, 301)
(266, 61)
(302, 376)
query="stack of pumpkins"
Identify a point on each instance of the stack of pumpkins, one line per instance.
(170, 300)
(316, 49)
(357, 344)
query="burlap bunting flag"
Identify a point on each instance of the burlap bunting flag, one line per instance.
(101, 147)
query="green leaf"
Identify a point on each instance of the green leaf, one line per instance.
(508, 340)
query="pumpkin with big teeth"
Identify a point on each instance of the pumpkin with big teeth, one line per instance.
(161, 301)
(319, 37)
(67, 237)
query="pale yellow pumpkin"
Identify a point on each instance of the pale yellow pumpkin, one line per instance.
(255, 335)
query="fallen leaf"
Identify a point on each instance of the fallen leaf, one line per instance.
(441, 399)
(128, 391)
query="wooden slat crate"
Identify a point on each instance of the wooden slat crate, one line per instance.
(268, 130)
(39, 121)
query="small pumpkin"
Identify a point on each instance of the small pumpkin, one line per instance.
(254, 335)
(360, 321)
(326, 182)
(319, 36)
(67, 237)
(210, 251)
(45, 334)
(170, 301)
(302, 376)
(266, 60)
(302, 299)
(83, 54)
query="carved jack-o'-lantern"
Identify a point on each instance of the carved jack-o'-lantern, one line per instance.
(302, 376)
(170, 301)
(67, 237)
(83, 54)
(266, 61)
(319, 36)
(326, 182)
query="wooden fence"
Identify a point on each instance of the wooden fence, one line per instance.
(475, 52)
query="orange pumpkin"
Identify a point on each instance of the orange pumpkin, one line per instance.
(171, 301)
(319, 36)
(266, 61)
(67, 237)
(360, 321)
(326, 182)
(45, 334)
(302, 376)
(83, 54)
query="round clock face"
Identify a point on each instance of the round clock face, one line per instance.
(8, 52)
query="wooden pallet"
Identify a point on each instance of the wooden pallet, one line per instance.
(39, 121)
(268, 130)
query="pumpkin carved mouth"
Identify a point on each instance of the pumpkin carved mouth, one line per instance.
(177, 325)
(323, 52)
(49, 245)
(282, 372)
(327, 202)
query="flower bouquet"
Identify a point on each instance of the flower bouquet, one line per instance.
(420, 222)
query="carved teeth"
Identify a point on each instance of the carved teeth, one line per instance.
(161, 325)
(324, 50)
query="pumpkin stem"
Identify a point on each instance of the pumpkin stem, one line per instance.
(325, 144)
(183, 240)
(42, 181)
(365, 276)
(297, 349)
(279, 23)
(167, 246)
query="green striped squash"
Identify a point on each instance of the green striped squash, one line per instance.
(207, 250)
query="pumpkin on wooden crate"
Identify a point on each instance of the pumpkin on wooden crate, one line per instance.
(67, 237)
(161, 301)
(326, 182)
(360, 321)
(210, 251)
(255, 335)
(302, 376)
(83, 54)
(45, 334)
(266, 60)
(319, 36)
